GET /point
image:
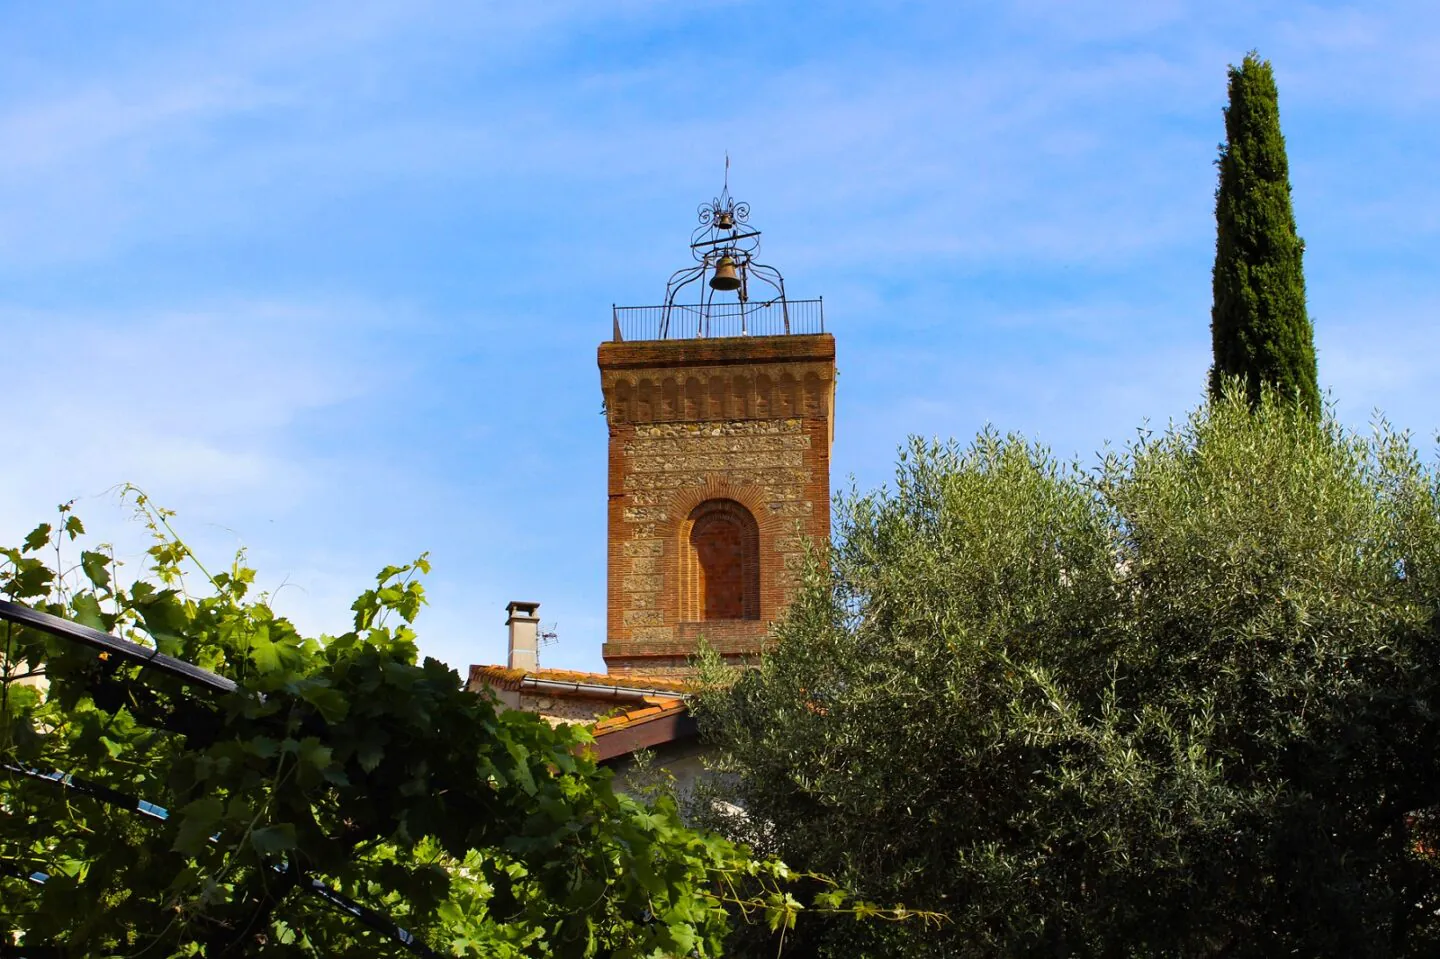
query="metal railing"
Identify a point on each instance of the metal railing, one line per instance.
(708, 320)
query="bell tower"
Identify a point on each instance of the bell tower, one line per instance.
(720, 421)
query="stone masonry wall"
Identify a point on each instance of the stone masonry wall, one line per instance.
(742, 419)
(556, 710)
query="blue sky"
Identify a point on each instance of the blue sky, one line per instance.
(328, 278)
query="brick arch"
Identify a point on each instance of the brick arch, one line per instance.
(814, 393)
(752, 498)
(645, 400)
(720, 566)
(789, 400)
(715, 386)
(621, 402)
(670, 408)
(764, 401)
(681, 602)
(742, 394)
(694, 399)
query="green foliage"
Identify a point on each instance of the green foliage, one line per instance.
(340, 760)
(1185, 704)
(1259, 325)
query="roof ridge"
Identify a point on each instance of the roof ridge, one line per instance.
(508, 678)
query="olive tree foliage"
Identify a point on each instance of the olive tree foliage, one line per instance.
(1186, 703)
(204, 822)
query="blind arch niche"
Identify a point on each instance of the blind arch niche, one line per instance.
(720, 563)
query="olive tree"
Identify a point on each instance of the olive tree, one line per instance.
(1184, 703)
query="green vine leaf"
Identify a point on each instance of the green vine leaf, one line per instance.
(273, 839)
(38, 538)
(198, 821)
(96, 567)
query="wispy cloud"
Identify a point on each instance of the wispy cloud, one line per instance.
(203, 408)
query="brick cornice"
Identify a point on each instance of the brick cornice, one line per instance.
(712, 393)
(718, 351)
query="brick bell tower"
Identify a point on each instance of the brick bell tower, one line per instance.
(720, 425)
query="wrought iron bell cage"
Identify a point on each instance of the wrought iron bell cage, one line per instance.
(724, 247)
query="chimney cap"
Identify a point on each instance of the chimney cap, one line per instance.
(522, 609)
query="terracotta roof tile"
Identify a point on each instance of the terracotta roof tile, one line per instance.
(654, 708)
(497, 676)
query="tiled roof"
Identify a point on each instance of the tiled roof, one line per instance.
(502, 678)
(657, 711)
(657, 722)
(654, 708)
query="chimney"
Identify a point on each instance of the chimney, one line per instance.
(524, 636)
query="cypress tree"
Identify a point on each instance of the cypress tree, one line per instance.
(1258, 323)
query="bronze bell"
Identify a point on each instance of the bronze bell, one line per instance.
(725, 277)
